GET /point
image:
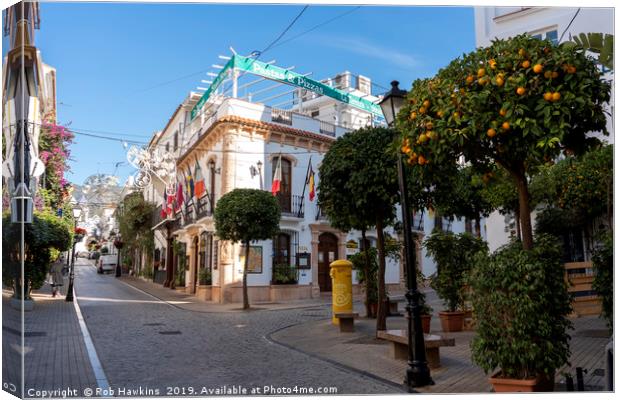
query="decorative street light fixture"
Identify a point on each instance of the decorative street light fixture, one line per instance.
(418, 374)
(118, 243)
(78, 235)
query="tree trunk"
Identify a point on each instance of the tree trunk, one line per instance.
(518, 224)
(527, 236)
(246, 301)
(382, 309)
(366, 273)
(478, 228)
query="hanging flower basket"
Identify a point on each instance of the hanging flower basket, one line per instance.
(79, 234)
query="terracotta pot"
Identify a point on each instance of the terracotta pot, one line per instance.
(426, 323)
(539, 384)
(451, 321)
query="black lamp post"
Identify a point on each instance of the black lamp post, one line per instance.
(418, 373)
(77, 211)
(118, 243)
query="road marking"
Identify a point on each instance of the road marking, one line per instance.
(150, 295)
(102, 381)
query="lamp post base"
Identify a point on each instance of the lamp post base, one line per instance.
(69, 296)
(418, 375)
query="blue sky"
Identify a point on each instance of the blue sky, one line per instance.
(110, 56)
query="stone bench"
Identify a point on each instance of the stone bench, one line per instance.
(346, 321)
(400, 345)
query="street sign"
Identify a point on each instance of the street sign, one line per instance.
(278, 74)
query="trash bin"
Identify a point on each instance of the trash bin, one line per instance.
(342, 288)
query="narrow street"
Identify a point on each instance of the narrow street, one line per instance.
(143, 342)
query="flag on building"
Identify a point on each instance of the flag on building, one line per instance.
(189, 184)
(179, 199)
(199, 187)
(164, 206)
(170, 202)
(312, 192)
(277, 178)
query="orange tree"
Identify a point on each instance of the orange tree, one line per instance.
(518, 104)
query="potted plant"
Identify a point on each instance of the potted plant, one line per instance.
(426, 311)
(284, 274)
(454, 257)
(205, 277)
(521, 302)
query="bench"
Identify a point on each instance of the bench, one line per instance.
(400, 345)
(392, 307)
(346, 321)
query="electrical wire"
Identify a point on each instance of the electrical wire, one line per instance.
(569, 24)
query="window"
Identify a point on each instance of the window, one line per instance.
(176, 141)
(547, 35)
(281, 249)
(168, 146)
(314, 114)
(284, 195)
(212, 188)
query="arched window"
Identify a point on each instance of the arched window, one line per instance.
(284, 195)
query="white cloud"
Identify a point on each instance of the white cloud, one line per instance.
(359, 46)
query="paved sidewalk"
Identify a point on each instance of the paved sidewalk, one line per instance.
(457, 374)
(190, 302)
(54, 352)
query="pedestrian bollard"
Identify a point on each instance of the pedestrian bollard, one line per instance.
(342, 288)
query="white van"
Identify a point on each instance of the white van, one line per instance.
(107, 263)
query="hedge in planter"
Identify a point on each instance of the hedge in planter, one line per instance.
(603, 264)
(521, 302)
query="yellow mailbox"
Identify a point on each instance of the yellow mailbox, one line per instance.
(342, 288)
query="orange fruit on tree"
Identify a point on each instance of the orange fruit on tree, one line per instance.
(429, 125)
(537, 68)
(506, 125)
(482, 81)
(469, 79)
(556, 96)
(426, 103)
(481, 72)
(421, 160)
(525, 64)
(554, 74)
(440, 114)
(422, 110)
(492, 63)
(520, 90)
(502, 112)
(456, 115)
(548, 74)
(422, 138)
(522, 52)
(491, 132)
(571, 69)
(548, 96)
(413, 115)
(499, 80)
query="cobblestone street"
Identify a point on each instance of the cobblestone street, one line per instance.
(143, 342)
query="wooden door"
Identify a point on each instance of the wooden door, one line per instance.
(328, 252)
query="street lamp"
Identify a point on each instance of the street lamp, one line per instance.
(118, 243)
(418, 374)
(77, 211)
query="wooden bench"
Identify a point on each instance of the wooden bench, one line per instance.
(400, 345)
(346, 321)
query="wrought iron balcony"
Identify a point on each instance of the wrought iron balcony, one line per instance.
(291, 205)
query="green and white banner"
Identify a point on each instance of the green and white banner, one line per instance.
(279, 74)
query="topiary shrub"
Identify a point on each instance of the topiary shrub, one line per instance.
(521, 302)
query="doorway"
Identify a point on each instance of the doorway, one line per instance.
(328, 252)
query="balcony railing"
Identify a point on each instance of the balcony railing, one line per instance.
(291, 205)
(327, 128)
(203, 207)
(282, 116)
(319, 213)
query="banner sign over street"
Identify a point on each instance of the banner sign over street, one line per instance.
(285, 76)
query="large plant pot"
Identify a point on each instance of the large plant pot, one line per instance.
(426, 323)
(451, 321)
(539, 384)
